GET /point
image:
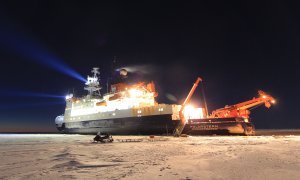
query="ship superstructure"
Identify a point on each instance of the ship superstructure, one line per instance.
(126, 109)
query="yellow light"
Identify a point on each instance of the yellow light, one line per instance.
(135, 93)
(273, 101)
(264, 96)
(191, 112)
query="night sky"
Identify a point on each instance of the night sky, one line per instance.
(237, 48)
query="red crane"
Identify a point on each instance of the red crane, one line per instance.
(243, 109)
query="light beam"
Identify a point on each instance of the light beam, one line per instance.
(29, 105)
(12, 93)
(34, 51)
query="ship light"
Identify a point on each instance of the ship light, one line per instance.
(191, 112)
(69, 96)
(135, 93)
(91, 80)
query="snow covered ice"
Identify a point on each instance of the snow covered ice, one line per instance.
(40, 156)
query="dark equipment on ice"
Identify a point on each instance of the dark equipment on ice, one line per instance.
(103, 138)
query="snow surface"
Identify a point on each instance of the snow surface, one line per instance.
(40, 156)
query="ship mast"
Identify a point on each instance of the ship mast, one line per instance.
(92, 83)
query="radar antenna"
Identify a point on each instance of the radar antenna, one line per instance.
(92, 83)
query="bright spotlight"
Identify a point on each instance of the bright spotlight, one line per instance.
(69, 96)
(190, 112)
(135, 93)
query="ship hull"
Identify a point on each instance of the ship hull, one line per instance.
(219, 126)
(159, 125)
(144, 125)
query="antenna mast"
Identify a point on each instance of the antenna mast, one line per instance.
(92, 83)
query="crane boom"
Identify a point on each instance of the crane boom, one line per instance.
(182, 122)
(242, 109)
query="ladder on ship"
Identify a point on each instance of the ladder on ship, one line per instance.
(178, 130)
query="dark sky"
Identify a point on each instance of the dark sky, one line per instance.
(236, 47)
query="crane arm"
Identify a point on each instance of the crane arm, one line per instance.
(188, 98)
(242, 108)
(179, 128)
(263, 98)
